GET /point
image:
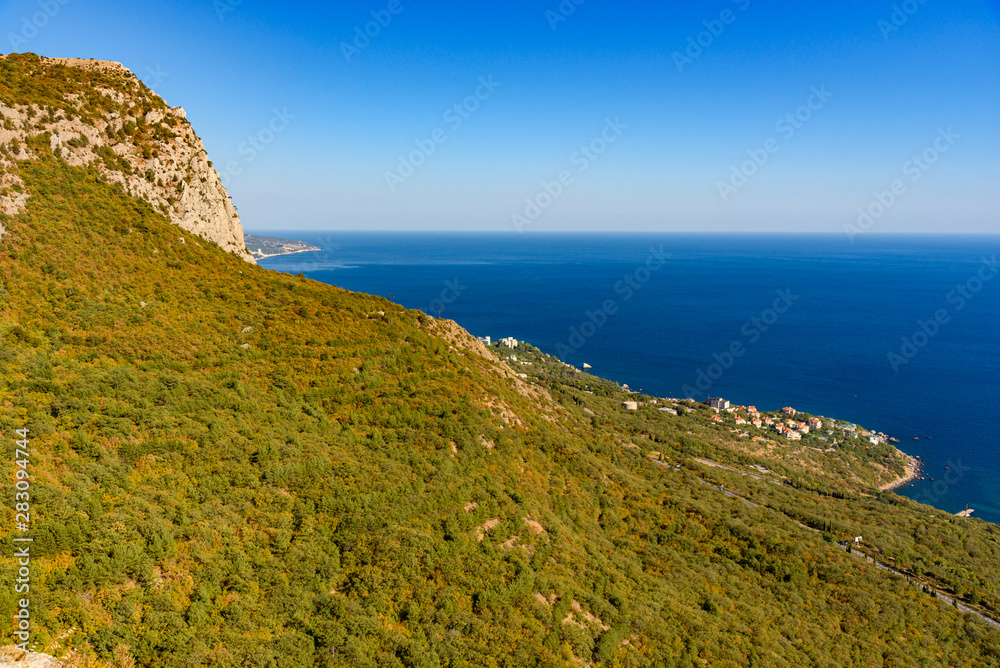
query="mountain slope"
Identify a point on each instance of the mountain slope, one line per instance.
(98, 113)
(237, 467)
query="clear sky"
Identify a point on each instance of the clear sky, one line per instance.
(885, 85)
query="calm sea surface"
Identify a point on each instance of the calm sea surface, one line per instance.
(812, 322)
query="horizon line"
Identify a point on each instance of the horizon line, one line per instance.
(261, 231)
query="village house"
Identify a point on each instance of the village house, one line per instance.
(816, 423)
(509, 342)
(793, 436)
(789, 410)
(631, 405)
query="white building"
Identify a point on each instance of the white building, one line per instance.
(718, 403)
(509, 342)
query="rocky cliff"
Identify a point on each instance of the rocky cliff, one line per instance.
(11, 657)
(98, 113)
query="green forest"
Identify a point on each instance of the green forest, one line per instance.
(237, 467)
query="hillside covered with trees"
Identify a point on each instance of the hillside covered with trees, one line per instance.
(236, 467)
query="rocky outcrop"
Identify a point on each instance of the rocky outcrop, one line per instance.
(11, 657)
(137, 141)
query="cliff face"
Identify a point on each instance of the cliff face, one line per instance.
(98, 113)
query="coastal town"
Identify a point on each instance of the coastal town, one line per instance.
(788, 423)
(780, 429)
(793, 426)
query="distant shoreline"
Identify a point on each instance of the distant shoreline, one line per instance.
(305, 250)
(261, 247)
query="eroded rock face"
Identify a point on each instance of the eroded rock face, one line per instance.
(146, 146)
(11, 657)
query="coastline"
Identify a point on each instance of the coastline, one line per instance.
(913, 470)
(305, 250)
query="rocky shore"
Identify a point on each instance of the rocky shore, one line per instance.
(913, 469)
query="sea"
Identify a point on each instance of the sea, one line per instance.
(899, 334)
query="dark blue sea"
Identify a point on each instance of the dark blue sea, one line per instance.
(897, 334)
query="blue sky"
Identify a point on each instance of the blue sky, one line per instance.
(678, 125)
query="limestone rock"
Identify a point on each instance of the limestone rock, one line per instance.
(174, 174)
(11, 657)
